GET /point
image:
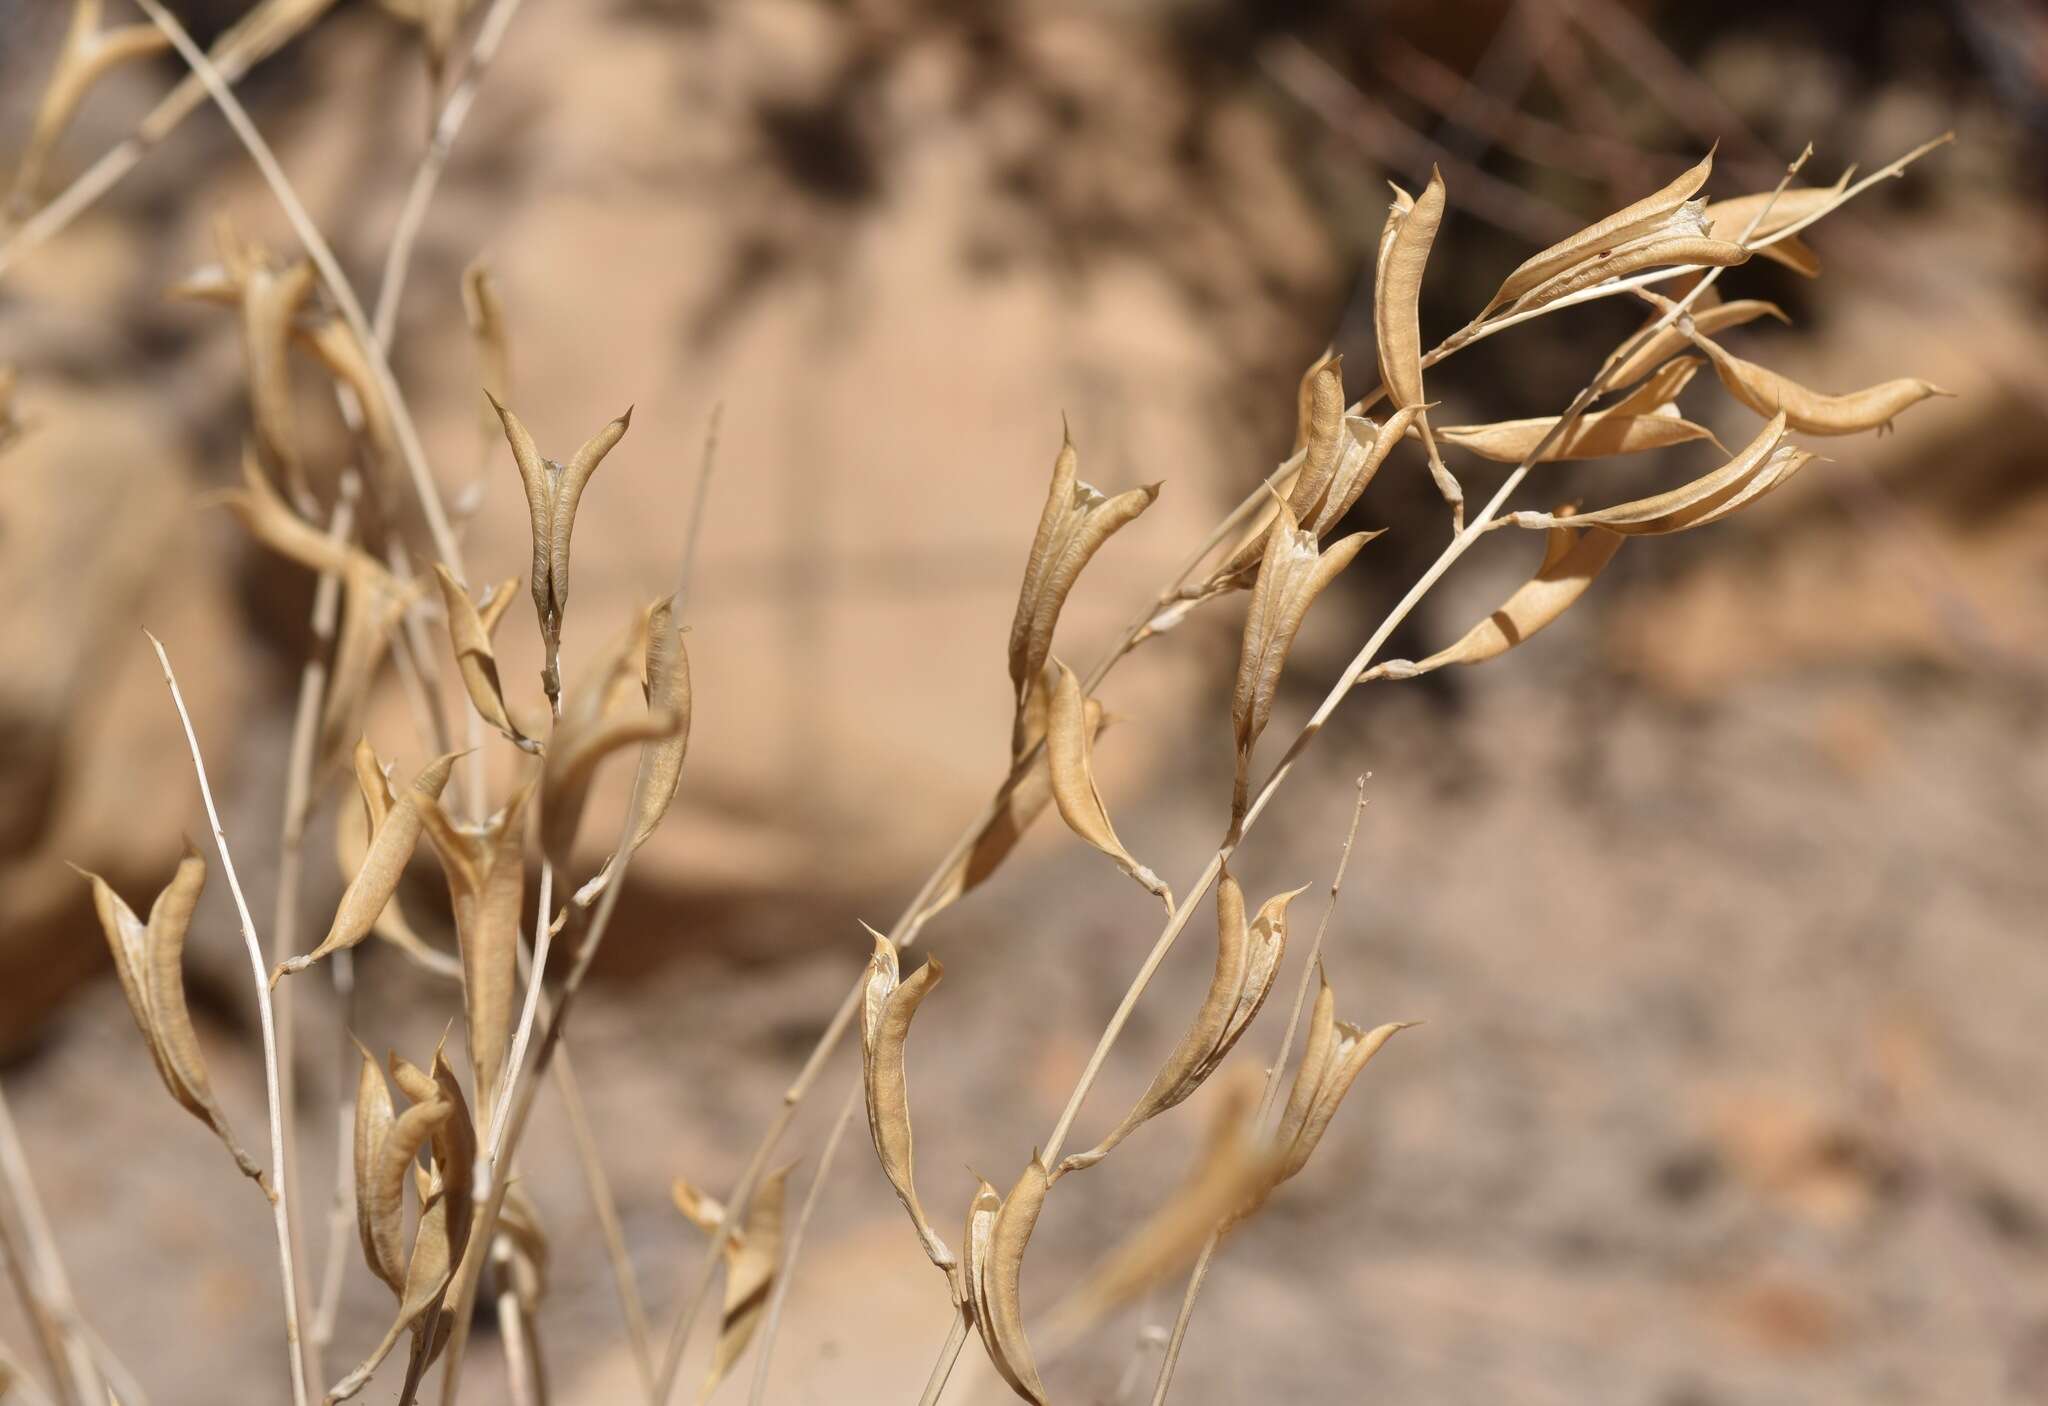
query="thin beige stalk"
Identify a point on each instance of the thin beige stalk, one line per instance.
(39, 1277)
(949, 1353)
(764, 1341)
(279, 1197)
(606, 1208)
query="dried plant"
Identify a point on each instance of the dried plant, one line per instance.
(455, 1143)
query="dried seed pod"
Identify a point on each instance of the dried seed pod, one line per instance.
(1078, 518)
(553, 491)
(1247, 960)
(485, 311)
(699, 1207)
(1657, 251)
(1598, 435)
(1366, 444)
(750, 1265)
(486, 873)
(668, 694)
(268, 296)
(394, 832)
(1768, 393)
(1762, 465)
(1670, 211)
(1291, 576)
(1405, 243)
(888, 1005)
(1731, 219)
(335, 346)
(380, 1199)
(598, 719)
(470, 627)
(1336, 1052)
(1069, 751)
(149, 959)
(373, 1122)
(352, 830)
(998, 1237)
(1669, 341)
(1571, 559)
(88, 54)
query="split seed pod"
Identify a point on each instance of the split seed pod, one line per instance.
(470, 627)
(1669, 341)
(1247, 960)
(1764, 464)
(750, 1265)
(601, 716)
(353, 827)
(998, 1233)
(1069, 751)
(394, 832)
(87, 55)
(1405, 243)
(1768, 393)
(1078, 518)
(887, 1006)
(486, 873)
(149, 959)
(1291, 576)
(1730, 219)
(1670, 211)
(1658, 251)
(553, 491)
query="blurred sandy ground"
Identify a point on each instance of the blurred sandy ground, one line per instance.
(1722, 904)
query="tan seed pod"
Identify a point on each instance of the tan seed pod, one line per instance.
(1672, 210)
(553, 491)
(470, 627)
(668, 695)
(88, 54)
(1336, 1053)
(1291, 575)
(373, 602)
(1069, 751)
(149, 960)
(1405, 243)
(519, 1222)
(277, 526)
(1365, 447)
(1078, 518)
(599, 717)
(271, 294)
(698, 1206)
(486, 872)
(1809, 411)
(1656, 394)
(1732, 218)
(374, 1118)
(1000, 1239)
(1669, 341)
(395, 831)
(750, 1265)
(381, 1198)
(1657, 251)
(1599, 435)
(352, 830)
(484, 308)
(1247, 959)
(335, 346)
(1763, 464)
(888, 1005)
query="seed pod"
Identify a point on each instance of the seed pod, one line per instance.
(334, 345)
(750, 1266)
(1069, 751)
(1336, 1052)
(1599, 435)
(599, 718)
(485, 311)
(268, 296)
(486, 873)
(149, 959)
(380, 1199)
(87, 55)
(394, 832)
(1397, 294)
(277, 526)
(668, 694)
(1731, 219)
(1809, 411)
(1672, 210)
(553, 491)
(999, 1236)
(1366, 444)
(1657, 251)
(1763, 464)
(470, 627)
(374, 1118)
(699, 1207)
(453, 1145)
(1291, 576)
(887, 1008)
(352, 830)
(1669, 341)
(1247, 960)
(1078, 518)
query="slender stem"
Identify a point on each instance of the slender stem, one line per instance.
(279, 1196)
(1267, 1096)
(949, 1353)
(39, 1276)
(341, 1208)
(764, 1350)
(606, 1209)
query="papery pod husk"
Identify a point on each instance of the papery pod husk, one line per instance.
(750, 1266)
(1598, 435)
(1365, 446)
(1760, 466)
(887, 1008)
(1077, 519)
(553, 491)
(375, 1115)
(394, 833)
(335, 346)
(1659, 251)
(1667, 342)
(454, 1143)
(998, 1264)
(470, 627)
(1672, 209)
(1731, 219)
(1572, 557)
(1405, 244)
(599, 717)
(485, 311)
(668, 693)
(1069, 747)
(1767, 392)
(486, 873)
(149, 959)
(275, 524)
(1247, 959)
(88, 53)
(699, 1206)
(373, 602)
(353, 826)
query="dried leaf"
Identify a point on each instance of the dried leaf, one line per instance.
(888, 1005)
(1078, 518)
(395, 832)
(1670, 211)
(1247, 960)
(149, 960)
(277, 526)
(486, 871)
(599, 718)
(335, 346)
(1669, 341)
(1069, 750)
(381, 1198)
(1291, 576)
(1809, 411)
(1762, 465)
(750, 1265)
(470, 627)
(998, 1237)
